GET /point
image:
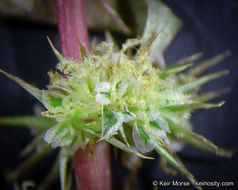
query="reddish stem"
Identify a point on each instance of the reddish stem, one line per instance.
(72, 27)
(92, 171)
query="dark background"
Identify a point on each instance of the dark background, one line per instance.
(208, 26)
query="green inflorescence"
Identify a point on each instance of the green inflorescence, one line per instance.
(121, 96)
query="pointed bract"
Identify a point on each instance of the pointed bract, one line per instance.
(28, 87)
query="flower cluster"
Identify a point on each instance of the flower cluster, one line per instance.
(121, 97)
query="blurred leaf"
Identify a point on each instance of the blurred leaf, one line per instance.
(196, 83)
(42, 150)
(34, 122)
(189, 59)
(200, 68)
(50, 177)
(44, 11)
(131, 13)
(198, 140)
(213, 94)
(115, 17)
(34, 10)
(63, 163)
(162, 21)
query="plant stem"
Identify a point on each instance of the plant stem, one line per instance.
(72, 26)
(92, 171)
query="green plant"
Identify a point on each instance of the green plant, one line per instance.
(125, 98)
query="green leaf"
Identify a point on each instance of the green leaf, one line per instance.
(109, 37)
(200, 68)
(57, 53)
(134, 14)
(41, 150)
(173, 160)
(124, 147)
(115, 16)
(59, 135)
(63, 163)
(28, 87)
(44, 12)
(81, 121)
(124, 136)
(110, 123)
(160, 20)
(141, 139)
(33, 10)
(52, 132)
(198, 140)
(200, 81)
(51, 99)
(161, 123)
(192, 106)
(213, 94)
(34, 122)
(50, 177)
(145, 137)
(189, 59)
(82, 50)
(172, 70)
